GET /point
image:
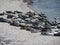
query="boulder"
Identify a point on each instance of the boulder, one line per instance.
(3, 20)
(58, 26)
(9, 12)
(57, 34)
(1, 14)
(10, 16)
(15, 23)
(17, 12)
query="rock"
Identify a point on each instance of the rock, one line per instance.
(22, 28)
(27, 16)
(28, 24)
(30, 14)
(3, 20)
(58, 34)
(22, 21)
(58, 26)
(28, 28)
(21, 25)
(23, 17)
(9, 12)
(10, 16)
(28, 19)
(40, 15)
(1, 14)
(17, 12)
(9, 20)
(33, 30)
(15, 23)
(36, 16)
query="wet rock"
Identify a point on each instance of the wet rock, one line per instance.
(14, 22)
(17, 12)
(28, 29)
(40, 15)
(10, 16)
(58, 34)
(26, 15)
(9, 12)
(3, 20)
(23, 26)
(1, 14)
(23, 17)
(21, 21)
(27, 24)
(58, 26)
(36, 16)
(9, 21)
(29, 21)
(33, 30)
(30, 14)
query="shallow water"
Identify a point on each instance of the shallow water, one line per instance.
(50, 7)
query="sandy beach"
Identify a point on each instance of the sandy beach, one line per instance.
(11, 35)
(16, 36)
(13, 5)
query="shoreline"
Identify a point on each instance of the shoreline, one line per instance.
(27, 7)
(34, 9)
(24, 7)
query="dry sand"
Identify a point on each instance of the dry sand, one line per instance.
(11, 35)
(16, 36)
(13, 5)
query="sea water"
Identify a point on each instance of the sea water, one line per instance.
(51, 8)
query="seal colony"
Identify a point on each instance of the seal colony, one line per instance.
(31, 22)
